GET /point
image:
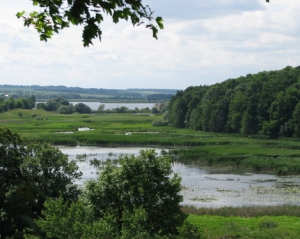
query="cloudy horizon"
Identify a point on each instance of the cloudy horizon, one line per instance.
(203, 43)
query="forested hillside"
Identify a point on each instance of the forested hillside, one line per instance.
(265, 103)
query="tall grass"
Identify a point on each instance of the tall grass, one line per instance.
(246, 211)
(252, 156)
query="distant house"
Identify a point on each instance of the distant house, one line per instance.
(159, 106)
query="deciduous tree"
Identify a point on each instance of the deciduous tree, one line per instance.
(55, 15)
(29, 174)
(144, 182)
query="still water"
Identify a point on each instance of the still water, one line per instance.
(110, 106)
(205, 187)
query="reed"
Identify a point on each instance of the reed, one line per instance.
(247, 211)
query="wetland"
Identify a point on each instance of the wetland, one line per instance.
(202, 186)
(217, 169)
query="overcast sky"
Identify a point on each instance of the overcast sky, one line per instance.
(204, 42)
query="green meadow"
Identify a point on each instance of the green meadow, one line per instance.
(246, 222)
(265, 227)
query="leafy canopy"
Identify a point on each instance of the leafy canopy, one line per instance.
(145, 182)
(30, 174)
(55, 15)
(139, 198)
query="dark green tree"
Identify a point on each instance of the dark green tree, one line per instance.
(82, 108)
(66, 109)
(142, 182)
(10, 104)
(19, 104)
(195, 122)
(236, 108)
(61, 219)
(206, 116)
(29, 174)
(178, 112)
(248, 126)
(101, 108)
(53, 16)
(296, 120)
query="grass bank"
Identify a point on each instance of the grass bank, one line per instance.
(265, 227)
(246, 222)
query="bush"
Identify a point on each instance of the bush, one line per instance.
(159, 123)
(189, 231)
(268, 224)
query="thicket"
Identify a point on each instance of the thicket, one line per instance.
(63, 106)
(263, 103)
(21, 103)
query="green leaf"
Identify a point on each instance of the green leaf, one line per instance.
(159, 21)
(99, 17)
(33, 14)
(116, 16)
(154, 32)
(20, 14)
(59, 20)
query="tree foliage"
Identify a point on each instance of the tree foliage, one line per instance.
(82, 108)
(259, 103)
(144, 183)
(29, 174)
(21, 103)
(63, 106)
(55, 15)
(137, 199)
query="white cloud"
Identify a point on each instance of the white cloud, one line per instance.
(204, 42)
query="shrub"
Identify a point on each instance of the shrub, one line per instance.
(268, 224)
(159, 123)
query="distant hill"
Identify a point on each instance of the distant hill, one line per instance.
(78, 93)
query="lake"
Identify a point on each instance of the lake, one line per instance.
(205, 187)
(110, 106)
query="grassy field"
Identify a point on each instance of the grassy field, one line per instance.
(265, 227)
(246, 222)
(210, 149)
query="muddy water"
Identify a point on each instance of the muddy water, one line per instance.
(205, 187)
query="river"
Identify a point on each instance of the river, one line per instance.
(206, 187)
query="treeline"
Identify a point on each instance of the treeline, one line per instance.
(264, 103)
(50, 92)
(63, 106)
(60, 88)
(159, 97)
(161, 91)
(21, 103)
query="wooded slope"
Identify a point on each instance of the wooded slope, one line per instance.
(266, 103)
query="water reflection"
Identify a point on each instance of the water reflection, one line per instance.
(205, 187)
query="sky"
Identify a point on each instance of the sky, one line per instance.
(203, 43)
